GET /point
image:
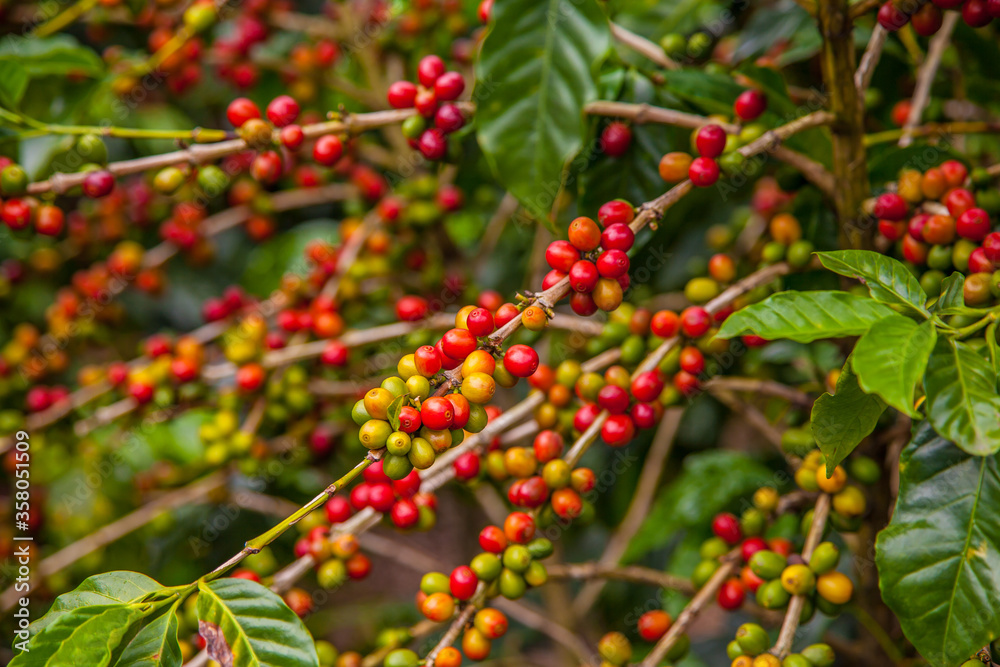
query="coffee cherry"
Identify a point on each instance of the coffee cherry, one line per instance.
(240, 111)
(401, 95)
(615, 648)
(437, 413)
(647, 386)
(750, 105)
(49, 220)
(608, 293)
(518, 528)
(798, 579)
(731, 595)
(492, 623)
(654, 624)
(449, 118)
(613, 398)
(429, 69)
(927, 20)
(976, 13)
(449, 86)
(617, 430)
(618, 236)
(520, 361)
(835, 587)
(328, 150)
(704, 172)
(612, 263)
(692, 360)
(582, 304)
(616, 139)
(892, 18)
(432, 144)
(250, 378)
(616, 211)
(695, 321)
(674, 167)
(283, 110)
(411, 309)
(561, 255)
(475, 645)
(973, 224)
(492, 539)
(727, 527)
(711, 141)
(98, 184)
(584, 234)
(291, 137)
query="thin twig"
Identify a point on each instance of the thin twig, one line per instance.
(763, 387)
(925, 77)
(457, 625)
(783, 646)
(631, 573)
(643, 46)
(865, 71)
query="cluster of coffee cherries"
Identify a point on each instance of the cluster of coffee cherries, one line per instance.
(771, 570)
(749, 649)
(928, 16)
(595, 260)
(939, 223)
(849, 503)
(542, 480)
(400, 500)
(433, 97)
(23, 213)
(487, 625)
(717, 150)
(172, 371)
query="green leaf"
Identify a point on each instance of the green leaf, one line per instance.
(709, 482)
(94, 636)
(246, 625)
(708, 92)
(962, 401)
(842, 420)
(536, 71)
(156, 645)
(952, 296)
(53, 56)
(994, 347)
(13, 83)
(394, 409)
(939, 558)
(805, 316)
(891, 358)
(105, 589)
(887, 279)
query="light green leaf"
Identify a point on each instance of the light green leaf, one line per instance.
(887, 279)
(94, 636)
(156, 645)
(842, 420)
(891, 358)
(394, 409)
(939, 558)
(962, 400)
(806, 316)
(13, 83)
(536, 71)
(53, 56)
(246, 625)
(952, 294)
(105, 589)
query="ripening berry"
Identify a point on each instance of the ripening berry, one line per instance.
(704, 172)
(616, 139)
(750, 105)
(240, 111)
(283, 110)
(401, 94)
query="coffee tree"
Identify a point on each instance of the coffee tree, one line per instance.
(273, 274)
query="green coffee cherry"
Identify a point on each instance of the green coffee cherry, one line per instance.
(772, 595)
(824, 558)
(512, 584)
(487, 566)
(820, 655)
(767, 564)
(798, 441)
(752, 639)
(703, 572)
(712, 548)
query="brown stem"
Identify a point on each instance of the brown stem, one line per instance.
(783, 646)
(850, 166)
(762, 387)
(643, 46)
(925, 77)
(863, 76)
(647, 113)
(631, 573)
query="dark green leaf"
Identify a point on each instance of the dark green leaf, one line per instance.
(890, 359)
(53, 56)
(952, 294)
(105, 589)
(394, 409)
(707, 92)
(939, 558)
(994, 347)
(13, 83)
(246, 625)
(887, 279)
(156, 645)
(536, 71)
(962, 401)
(842, 420)
(805, 316)
(709, 482)
(94, 636)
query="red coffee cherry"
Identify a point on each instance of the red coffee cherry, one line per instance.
(411, 309)
(338, 509)
(616, 139)
(429, 70)
(432, 144)
(583, 304)
(618, 236)
(449, 86)
(618, 430)
(520, 361)
(692, 360)
(695, 321)
(466, 467)
(614, 212)
(973, 224)
(727, 527)
(492, 539)
(561, 255)
(404, 514)
(98, 184)
(240, 111)
(750, 105)
(612, 263)
(654, 624)
(891, 17)
(437, 413)
(731, 595)
(518, 528)
(401, 95)
(283, 110)
(613, 398)
(583, 276)
(584, 234)
(890, 206)
(704, 172)
(647, 386)
(480, 322)
(458, 343)
(710, 141)
(449, 118)
(927, 20)
(665, 324)
(328, 150)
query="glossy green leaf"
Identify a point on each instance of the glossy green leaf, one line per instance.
(939, 558)
(952, 296)
(394, 409)
(706, 91)
(13, 83)
(887, 279)
(962, 400)
(994, 347)
(156, 645)
(537, 69)
(94, 636)
(105, 589)
(247, 625)
(891, 358)
(806, 316)
(52, 56)
(709, 482)
(840, 421)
